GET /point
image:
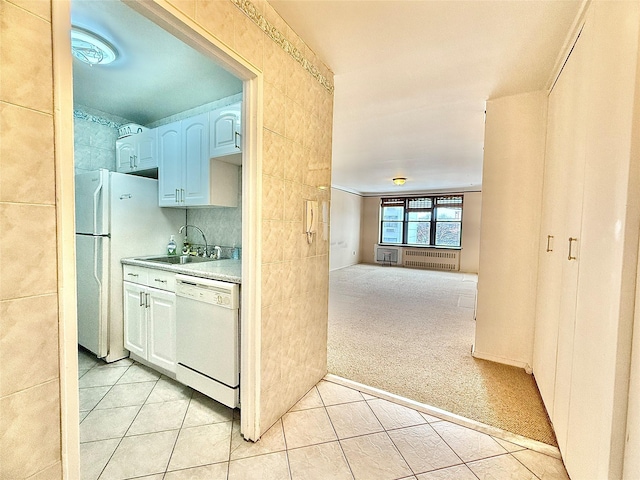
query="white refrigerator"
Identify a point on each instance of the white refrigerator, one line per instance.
(117, 216)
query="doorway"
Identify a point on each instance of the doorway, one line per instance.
(195, 37)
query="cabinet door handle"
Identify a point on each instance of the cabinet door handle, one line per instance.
(135, 161)
(142, 299)
(236, 142)
(177, 196)
(132, 274)
(148, 300)
(160, 280)
(549, 246)
(131, 162)
(182, 195)
(571, 240)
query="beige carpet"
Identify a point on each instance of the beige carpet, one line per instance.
(410, 332)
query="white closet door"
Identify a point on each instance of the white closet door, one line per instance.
(551, 258)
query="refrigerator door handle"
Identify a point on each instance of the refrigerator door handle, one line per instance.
(96, 193)
(103, 327)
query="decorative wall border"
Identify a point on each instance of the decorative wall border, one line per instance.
(277, 36)
(92, 118)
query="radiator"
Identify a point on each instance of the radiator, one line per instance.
(388, 255)
(432, 259)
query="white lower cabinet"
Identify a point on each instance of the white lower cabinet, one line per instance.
(150, 316)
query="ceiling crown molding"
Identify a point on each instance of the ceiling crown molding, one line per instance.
(277, 36)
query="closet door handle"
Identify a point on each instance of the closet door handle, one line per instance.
(571, 240)
(549, 247)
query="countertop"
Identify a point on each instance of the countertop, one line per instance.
(225, 270)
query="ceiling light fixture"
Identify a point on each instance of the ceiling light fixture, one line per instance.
(90, 48)
(399, 180)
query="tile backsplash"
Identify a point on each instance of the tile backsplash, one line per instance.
(94, 138)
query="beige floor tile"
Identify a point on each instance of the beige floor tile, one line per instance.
(319, 462)
(271, 441)
(83, 415)
(459, 472)
(391, 415)
(158, 417)
(123, 362)
(203, 445)
(105, 424)
(502, 467)
(366, 396)
(94, 457)
(166, 390)
(508, 446)
(86, 360)
(101, 376)
(90, 397)
(430, 418)
(126, 395)
(307, 427)
(204, 410)
(543, 466)
(272, 466)
(310, 400)
(353, 419)
(468, 444)
(141, 455)
(423, 449)
(139, 373)
(332, 393)
(216, 471)
(374, 457)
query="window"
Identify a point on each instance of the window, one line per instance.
(424, 221)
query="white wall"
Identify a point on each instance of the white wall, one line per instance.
(470, 254)
(511, 209)
(346, 214)
(370, 228)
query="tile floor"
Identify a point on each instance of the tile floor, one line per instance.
(136, 423)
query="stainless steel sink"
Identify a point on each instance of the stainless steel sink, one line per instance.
(181, 259)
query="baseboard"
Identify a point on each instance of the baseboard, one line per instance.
(498, 359)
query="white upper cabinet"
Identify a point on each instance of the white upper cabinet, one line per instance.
(187, 176)
(137, 152)
(195, 135)
(225, 134)
(170, 164)
(183, 162)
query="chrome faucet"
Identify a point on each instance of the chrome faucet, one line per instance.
(206, 246)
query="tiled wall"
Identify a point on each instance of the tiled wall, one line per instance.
(297, 116)
(94, 138)
(29, 373)
(298, 113)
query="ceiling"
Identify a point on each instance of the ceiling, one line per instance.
(412, 78)
(155, 75)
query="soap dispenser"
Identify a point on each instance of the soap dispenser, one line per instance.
(171, 246)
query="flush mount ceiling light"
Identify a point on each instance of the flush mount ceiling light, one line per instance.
(399, 180)
(90, 48)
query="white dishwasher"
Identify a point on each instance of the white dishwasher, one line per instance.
(207, 337)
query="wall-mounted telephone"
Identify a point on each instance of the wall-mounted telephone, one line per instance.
(311, 219)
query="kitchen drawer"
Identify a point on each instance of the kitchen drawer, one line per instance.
(162, 280)
(134, 274)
